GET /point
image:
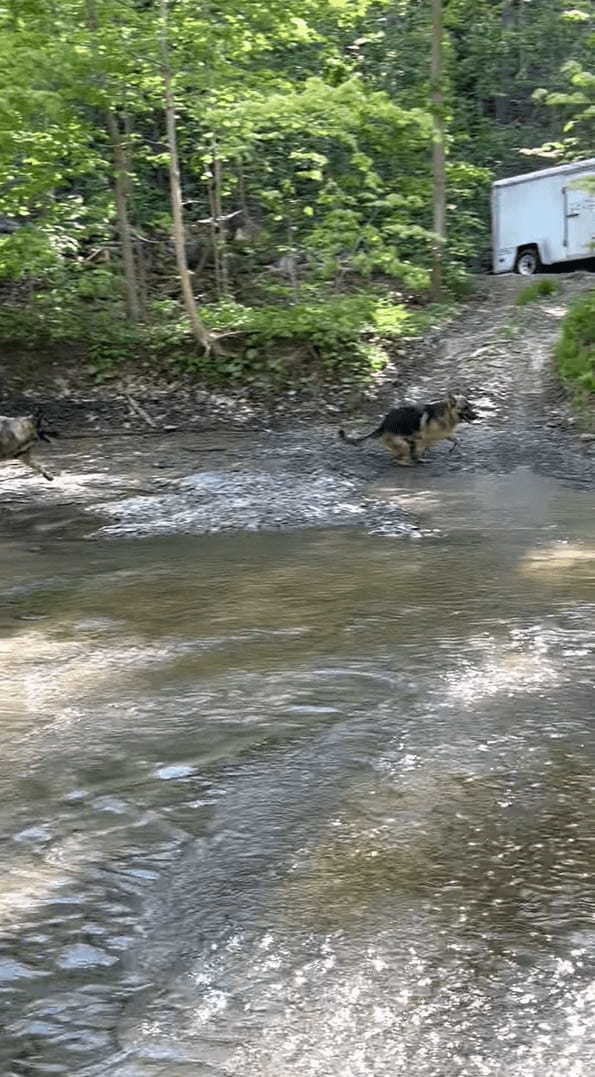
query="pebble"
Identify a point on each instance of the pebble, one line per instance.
(166, 774)
(76, 794)
(34, 834)
(16, 970)
(82, 955)
(110, 804)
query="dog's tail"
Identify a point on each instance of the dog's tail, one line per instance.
(357, 441)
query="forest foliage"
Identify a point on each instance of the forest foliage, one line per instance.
(303, 134)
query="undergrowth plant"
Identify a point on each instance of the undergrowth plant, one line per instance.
(538, 289)
(575, 352)
(322, 338)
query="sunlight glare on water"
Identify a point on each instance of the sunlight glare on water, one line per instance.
(307, 803)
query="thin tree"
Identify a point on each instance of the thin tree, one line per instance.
(198, 327)
(121, 191)
(220, 226)
(120, 161)
(438, 150)
(502, 96)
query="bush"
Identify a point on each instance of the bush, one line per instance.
(320, 338)
(325, 321)
(538, 289)
(324, 337)
(575, 353)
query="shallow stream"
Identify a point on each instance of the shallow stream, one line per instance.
(306, 801)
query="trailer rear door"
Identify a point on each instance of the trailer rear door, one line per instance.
(579, 206)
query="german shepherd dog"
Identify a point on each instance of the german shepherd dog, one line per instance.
(409, 430)
(19, 435)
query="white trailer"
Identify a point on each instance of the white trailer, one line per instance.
(544, 217)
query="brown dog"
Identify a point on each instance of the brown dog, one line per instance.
(409, 430)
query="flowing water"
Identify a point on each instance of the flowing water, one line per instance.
(305, 802)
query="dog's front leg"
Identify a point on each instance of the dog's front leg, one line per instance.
(455, 444)
(415, 449)
(417, 446)
(28, 461)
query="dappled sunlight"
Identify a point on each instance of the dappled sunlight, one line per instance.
(526, 660)
(250, 500)
(76, 485)
(29, 884)
(555, 311)
(416, 918)
(18, 478)
(412, 500)
(559, 562)
(85, 484)
(502, 671)
(45, 675)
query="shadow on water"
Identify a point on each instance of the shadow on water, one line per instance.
(529, 875)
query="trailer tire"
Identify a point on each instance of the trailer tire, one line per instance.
(527, 261)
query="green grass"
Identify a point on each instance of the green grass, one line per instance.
(575, 352)
(508, 332)
(538, 289)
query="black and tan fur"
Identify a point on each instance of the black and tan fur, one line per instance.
(19, 435)
(409, 430)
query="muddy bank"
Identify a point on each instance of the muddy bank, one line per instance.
(257, 473)
(491, 348)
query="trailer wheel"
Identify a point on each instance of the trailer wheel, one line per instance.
(527, 261)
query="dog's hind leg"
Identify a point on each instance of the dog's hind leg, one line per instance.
(28, 461)
(400, 448)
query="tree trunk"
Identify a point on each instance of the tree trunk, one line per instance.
(293, 273)
(198, 327)
(121, 191)
(507, 19)
(213, 234)
(220, 227)
(438, 152)
(141, 264)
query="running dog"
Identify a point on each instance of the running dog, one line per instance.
(19, 435)
(409, 430)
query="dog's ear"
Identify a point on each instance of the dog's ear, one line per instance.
(452, 398)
